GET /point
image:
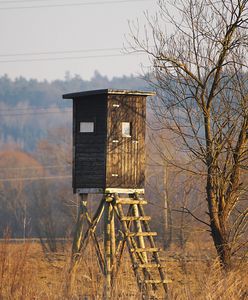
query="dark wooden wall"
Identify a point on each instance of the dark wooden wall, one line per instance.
(126, 155)
(89, 163)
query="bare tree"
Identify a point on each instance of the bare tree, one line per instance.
(200, 75)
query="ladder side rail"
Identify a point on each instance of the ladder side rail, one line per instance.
(138, 228)
(155, 254)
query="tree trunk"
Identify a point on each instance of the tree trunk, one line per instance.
(218, 223)
(222, 247)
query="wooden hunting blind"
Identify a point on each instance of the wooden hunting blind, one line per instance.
(109, 158)
(108, 140)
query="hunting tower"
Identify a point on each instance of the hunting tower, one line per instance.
(109, 159)
(108, 140)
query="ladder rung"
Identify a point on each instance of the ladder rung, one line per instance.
(143, 266)
(152, 281)
(144, 250)
(130, 201)
(133, 234)
(131, 218)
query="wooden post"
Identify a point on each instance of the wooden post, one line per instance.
(112, 241)
(79, 226)
(75, 258)
(107, 249)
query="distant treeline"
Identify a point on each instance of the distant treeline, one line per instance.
(29, 108)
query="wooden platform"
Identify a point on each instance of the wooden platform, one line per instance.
(109, 190)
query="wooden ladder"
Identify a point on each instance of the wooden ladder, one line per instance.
(139, 238)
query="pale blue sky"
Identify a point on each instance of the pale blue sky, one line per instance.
(68, 28)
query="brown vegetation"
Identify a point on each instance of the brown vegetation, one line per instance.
(25, 273)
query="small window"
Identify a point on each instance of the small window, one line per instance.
(126, 129)
(87, 127)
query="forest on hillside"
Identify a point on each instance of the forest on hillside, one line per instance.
(30, 108)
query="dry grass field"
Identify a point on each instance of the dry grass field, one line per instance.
(27, 273)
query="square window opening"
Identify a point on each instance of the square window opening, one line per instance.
(126, 129)
(87, 127)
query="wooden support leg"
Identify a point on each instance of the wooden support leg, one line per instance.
(112, 242)
(82, 210)
(107, 250)
(79, 226)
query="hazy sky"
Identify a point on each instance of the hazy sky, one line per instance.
(68, 28)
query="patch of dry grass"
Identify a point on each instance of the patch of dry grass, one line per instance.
(26, 273)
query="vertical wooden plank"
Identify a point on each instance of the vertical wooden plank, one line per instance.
(123, 161)
(136, 141)
(109, 165)
(144, 138)
(122, 142)
(139, 137)
(130, 154)
(126, 164)
(131, 157)
(141, 145)
(140, 125)
(119, 181)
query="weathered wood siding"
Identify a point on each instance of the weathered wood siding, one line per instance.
(89, 167)
(126, 155)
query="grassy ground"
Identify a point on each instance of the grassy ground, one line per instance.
(26, 273)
